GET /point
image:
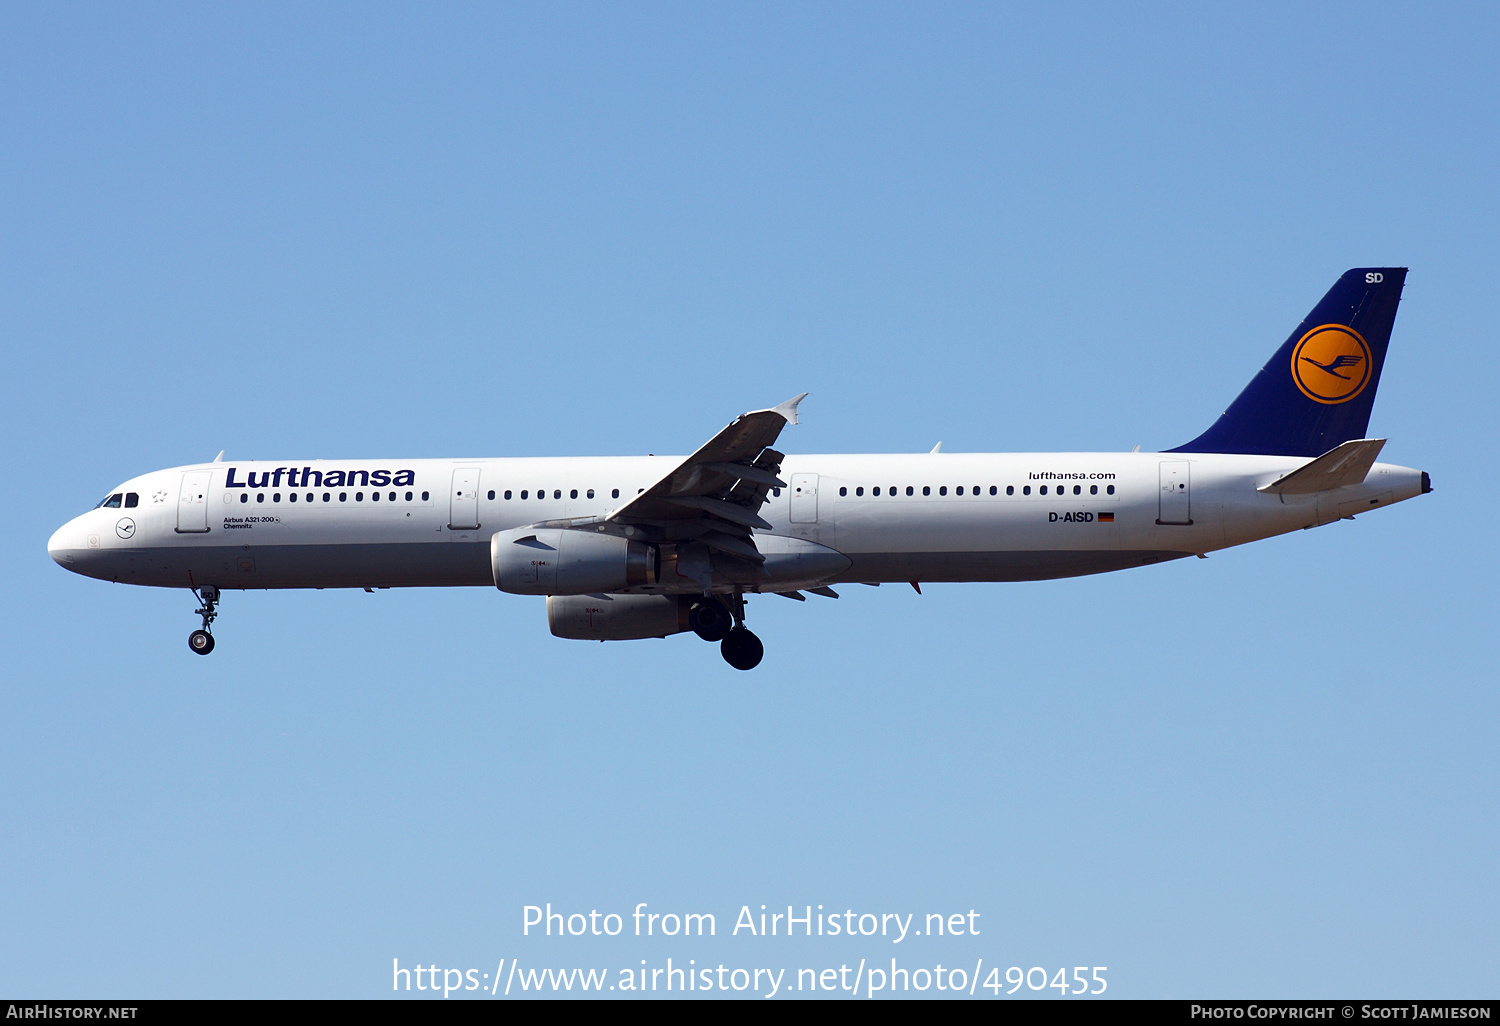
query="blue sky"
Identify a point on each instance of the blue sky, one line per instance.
(363, 230)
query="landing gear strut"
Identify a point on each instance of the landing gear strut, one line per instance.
(739, 647)
(202, 641)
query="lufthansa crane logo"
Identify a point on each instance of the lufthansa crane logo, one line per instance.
(1331, 364)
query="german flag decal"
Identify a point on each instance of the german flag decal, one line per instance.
(1106, 518)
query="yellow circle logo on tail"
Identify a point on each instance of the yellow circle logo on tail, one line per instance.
(1331, 364)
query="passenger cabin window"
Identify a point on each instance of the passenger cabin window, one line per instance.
(492, 493)
(615, 494)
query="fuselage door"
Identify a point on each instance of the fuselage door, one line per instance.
(192, 502)
(804, 508)
(463, 500)
(1176, 494)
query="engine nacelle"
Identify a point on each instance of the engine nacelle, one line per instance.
(549, 561)
(616, 617)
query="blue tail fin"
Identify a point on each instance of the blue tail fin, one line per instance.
(1317, 391)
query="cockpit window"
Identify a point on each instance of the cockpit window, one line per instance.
(110, 502)
(132, 500)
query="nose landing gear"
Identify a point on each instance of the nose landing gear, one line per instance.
(202, 641)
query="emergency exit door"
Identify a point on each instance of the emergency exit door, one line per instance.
(1176, 503)
(804, 505)
(463, 500)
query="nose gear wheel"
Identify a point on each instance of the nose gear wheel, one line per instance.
(202, 641)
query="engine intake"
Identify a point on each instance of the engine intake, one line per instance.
(551, 561)
(616, 617)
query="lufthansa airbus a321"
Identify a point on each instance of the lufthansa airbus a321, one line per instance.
(642, 547)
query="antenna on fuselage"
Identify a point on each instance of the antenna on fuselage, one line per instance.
(219, 458)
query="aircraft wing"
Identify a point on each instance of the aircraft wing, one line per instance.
(715, 495)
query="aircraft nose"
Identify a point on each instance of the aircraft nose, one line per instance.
(60, 546)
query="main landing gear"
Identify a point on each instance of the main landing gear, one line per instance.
(712, 620)
(202, 641)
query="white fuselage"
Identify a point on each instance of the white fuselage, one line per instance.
(929, 517)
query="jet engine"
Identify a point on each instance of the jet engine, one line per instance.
(549, 561)
(616, 617)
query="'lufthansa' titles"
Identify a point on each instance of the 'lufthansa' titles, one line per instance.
(307, 477)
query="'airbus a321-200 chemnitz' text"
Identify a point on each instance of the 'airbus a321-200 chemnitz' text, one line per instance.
(644, 547)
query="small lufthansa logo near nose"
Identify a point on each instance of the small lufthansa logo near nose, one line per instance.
(125, 528)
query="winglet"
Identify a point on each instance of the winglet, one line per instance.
(788, 409)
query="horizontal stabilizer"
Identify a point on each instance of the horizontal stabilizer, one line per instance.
(1343, 465)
